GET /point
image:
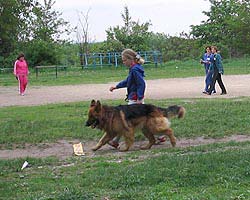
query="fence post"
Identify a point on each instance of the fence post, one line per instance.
(56, 71)
(116, 60)
(109, 58)
(155, 57)
(101, 59)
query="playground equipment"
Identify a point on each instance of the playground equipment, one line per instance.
(114, 58)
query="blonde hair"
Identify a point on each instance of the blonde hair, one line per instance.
(132, 55)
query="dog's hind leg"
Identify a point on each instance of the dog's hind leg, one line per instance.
(150, 137)
(105, 138)
(169, 132)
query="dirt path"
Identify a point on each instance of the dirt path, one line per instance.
(237, 85)
(64, 149)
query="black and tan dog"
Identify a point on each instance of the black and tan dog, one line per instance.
(124, 119)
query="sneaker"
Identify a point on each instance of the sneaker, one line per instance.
(113, 144)
(204, 92)
(214, 92)
(22, 94)
(223, 93)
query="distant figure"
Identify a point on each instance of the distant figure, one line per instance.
(21, 72)
(206, 61)
(217, 68)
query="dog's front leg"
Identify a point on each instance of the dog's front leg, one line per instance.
(105, 138)
(129, 140)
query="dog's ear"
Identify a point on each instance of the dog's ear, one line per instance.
(98, 106)
(93, 103)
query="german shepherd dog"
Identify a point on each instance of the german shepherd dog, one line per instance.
(123, 120)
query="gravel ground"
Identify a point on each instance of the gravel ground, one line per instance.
(236, 85)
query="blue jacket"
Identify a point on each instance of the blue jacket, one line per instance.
(207, 58)
(134, 83)
(217, 63)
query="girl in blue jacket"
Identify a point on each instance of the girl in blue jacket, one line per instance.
(134, 83)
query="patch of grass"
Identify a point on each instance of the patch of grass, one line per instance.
(219, 171)
(171, 69)
(48, 123)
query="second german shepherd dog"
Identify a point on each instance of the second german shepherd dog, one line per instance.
(122, 120)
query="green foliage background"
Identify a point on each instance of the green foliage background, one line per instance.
(34, 28)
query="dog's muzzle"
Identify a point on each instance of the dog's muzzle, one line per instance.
(93, 124)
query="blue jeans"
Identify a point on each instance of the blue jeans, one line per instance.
(208, 80)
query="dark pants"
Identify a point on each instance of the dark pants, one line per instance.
(216, 77)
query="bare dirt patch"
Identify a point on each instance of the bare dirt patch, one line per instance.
(64, 149)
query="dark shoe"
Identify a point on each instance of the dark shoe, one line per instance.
(223, 93)
(204, 92)
(113, 144)
(214, 92)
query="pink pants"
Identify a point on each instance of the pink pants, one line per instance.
(23, 81)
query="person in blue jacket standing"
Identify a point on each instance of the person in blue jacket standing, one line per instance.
(206, 61)
(217, 68)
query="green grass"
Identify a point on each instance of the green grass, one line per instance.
(218, 171)
(171, 69)
(208, 172)
(48, 123)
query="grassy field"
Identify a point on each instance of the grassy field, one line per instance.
(208, 172)
(218, 171)
(215, 171)
(172, 69)
(49, 123)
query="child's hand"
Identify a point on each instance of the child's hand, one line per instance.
(112, 88)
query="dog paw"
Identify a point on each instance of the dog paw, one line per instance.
(94, 148)
(173, 144)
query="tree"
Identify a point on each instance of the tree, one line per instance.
(82, 34)
(132, 35)
(227, 24)
(46, 22)
(25, 25)
(12, 23)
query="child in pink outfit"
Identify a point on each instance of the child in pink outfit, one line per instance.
(21, 71)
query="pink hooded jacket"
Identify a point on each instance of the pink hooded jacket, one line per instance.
(21, 68)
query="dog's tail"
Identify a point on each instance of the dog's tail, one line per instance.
(173, 111)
